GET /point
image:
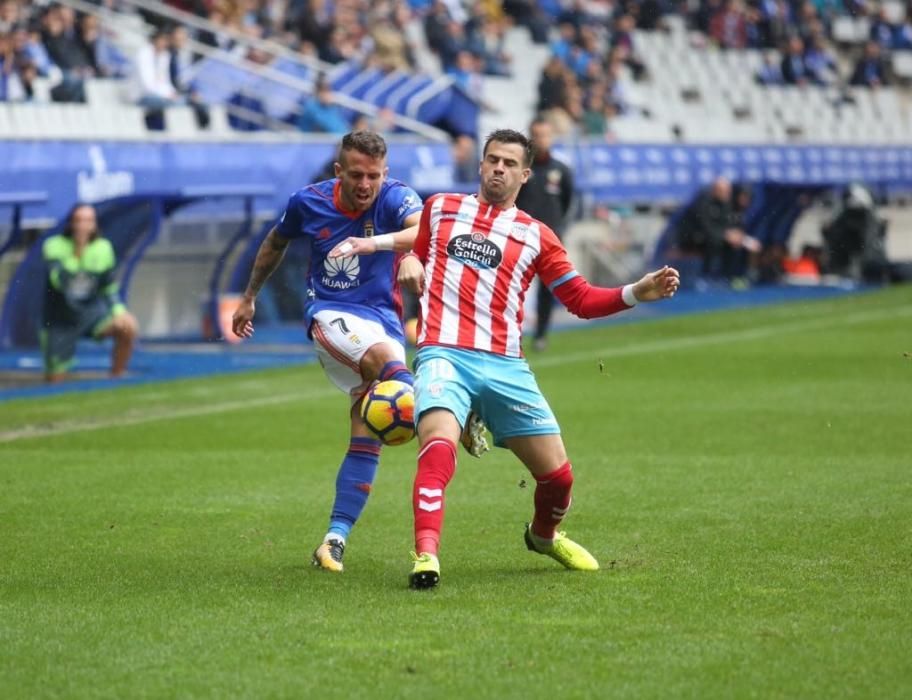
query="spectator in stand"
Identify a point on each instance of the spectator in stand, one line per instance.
(703, 16)
(152, 73)
(777, 22)
(617, 96)
(807, 20)
(465, 159)
(467, 73)
(623, 44)
(179, 64)
(563, 45)
(882, 30)
(488, 45)
(820, 62)
(25, 66)
(435, 27)
(454, 41)
(530, 14)
(870, 70)
(794, 68)
(11, 88)
(36, 53)
(182, 59)
(319, 113)
(552, 87)
(728, 27)
(650, 13)
(217, 38)
(585, 51)
(11, 16)
(391, 52)
(338, 47)
(67, 53)
(754, 33)
(575, 14)
(770, 71)
(597, 113)
(107, 61)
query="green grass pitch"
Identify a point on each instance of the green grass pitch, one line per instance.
(745, 479)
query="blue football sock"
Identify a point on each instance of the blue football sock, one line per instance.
(396, 370)
(353, 484)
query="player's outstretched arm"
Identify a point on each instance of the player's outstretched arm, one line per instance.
(398, 242)
(270, 254)
(586, 301)
(661, 284)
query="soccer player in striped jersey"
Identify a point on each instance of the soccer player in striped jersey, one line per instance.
(480, 254)
(354, 316)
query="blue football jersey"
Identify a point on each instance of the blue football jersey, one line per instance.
(362, 285)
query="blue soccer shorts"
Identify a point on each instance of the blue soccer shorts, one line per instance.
(502, 390)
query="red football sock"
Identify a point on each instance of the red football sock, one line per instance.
(436, 464)
(552, 501)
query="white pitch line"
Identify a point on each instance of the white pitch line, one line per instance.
(62, 428)
(682, 343)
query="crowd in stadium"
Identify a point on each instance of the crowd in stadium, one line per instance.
(593, 43)
(595, 53)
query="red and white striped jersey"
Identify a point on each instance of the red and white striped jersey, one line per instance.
(479, 260)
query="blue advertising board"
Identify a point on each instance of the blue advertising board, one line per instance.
(92, 171)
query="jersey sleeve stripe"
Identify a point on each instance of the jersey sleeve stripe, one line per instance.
(566, 277)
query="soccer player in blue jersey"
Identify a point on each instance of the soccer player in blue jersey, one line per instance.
(354, 316)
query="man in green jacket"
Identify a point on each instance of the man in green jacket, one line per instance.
(81, 296)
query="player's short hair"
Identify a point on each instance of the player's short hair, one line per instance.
(369, 143)
(68, 228)
(511, 136)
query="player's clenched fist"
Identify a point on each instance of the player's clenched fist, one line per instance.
(411, 274)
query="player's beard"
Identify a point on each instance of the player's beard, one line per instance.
(495, 193)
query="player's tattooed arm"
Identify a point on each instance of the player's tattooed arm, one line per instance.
(270, 254)
(267, 260)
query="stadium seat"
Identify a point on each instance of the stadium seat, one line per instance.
(895, 11)
(902, 64)
(180, 123)
(104, 92)
(638, 130)
(127, 122)
(218, 121)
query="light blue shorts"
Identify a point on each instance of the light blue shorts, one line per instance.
(502, 390)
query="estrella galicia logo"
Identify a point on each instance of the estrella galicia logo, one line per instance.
(475, 250)
(341, 273)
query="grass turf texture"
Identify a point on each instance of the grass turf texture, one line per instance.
(743, 477)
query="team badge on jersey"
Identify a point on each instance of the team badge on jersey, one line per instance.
(369, 229)
(519, 232)
(475, 250)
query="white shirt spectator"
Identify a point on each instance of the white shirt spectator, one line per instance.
(153, 73)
